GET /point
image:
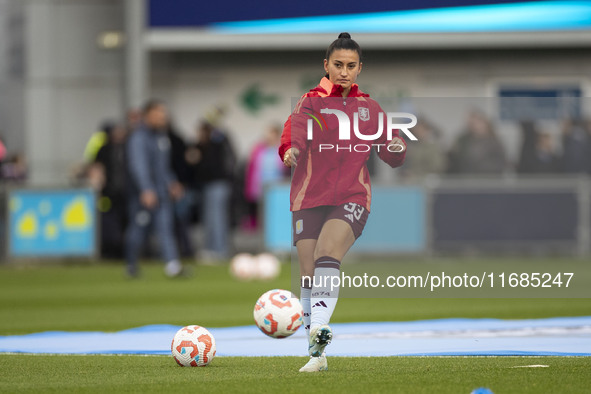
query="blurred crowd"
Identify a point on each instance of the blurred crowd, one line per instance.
(478, 150)
(208, 184)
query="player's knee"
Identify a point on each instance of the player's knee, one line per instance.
(325, 250)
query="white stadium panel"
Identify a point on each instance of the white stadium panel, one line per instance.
(202, 39)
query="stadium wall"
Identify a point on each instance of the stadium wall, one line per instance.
(65, 84)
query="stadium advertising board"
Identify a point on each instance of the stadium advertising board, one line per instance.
(49, 223)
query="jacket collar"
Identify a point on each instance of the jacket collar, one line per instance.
(327, 89)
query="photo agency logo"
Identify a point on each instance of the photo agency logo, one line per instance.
(402, 121)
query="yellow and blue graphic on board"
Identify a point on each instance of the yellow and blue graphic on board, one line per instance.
(52, 222)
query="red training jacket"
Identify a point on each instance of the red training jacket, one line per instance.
(325, 176)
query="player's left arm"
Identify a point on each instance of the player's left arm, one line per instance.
(392, 152)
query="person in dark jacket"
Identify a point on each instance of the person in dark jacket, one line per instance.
(112, 158)
(182, 206)
(213, 161)
(478, 149)
(153, 187)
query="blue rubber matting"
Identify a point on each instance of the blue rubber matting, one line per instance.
(569, 336)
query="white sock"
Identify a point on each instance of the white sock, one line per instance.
(323, 297)
(305, 301)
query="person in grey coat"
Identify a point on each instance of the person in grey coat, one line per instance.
(152, 189)
(478, 150)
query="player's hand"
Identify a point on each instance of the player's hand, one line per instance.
(398, 145)
(149, 199)
(176, 190)
(290, 158)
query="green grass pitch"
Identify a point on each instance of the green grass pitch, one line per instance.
(109, 374)
(97, 297)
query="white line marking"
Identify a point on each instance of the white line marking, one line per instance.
(483, 333)
(531, 366)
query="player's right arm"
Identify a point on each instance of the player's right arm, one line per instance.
(289, 153)
(293, 138)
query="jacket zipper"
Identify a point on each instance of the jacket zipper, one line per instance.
(340, 164)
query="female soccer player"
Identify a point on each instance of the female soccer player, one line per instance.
(330, 188)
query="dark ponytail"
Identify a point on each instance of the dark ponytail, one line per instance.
(343, 42)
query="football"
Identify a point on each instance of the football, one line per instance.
(267, 266)
(193, 346)
(278, 313)
(243, 266)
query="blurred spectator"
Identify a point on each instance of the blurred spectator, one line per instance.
(133, 118)
(14, 168)
(112, 159)
(478, 149)
(152, 184)
(538, 155)
(427, 155)
(215, 116)
(264, 167)
(182, 206)
(576, 147)
(2, 150)
(97, 140)
(213, 162)
(91, 175)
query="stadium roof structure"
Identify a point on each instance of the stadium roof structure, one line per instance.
(508, 25)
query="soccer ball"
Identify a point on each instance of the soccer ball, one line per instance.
(278, 313)
(267, 266)
(193, 346)
(243, 266)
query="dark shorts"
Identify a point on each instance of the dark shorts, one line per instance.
(307, 223)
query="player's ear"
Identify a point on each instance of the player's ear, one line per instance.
(326, 66)
(360, 67)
